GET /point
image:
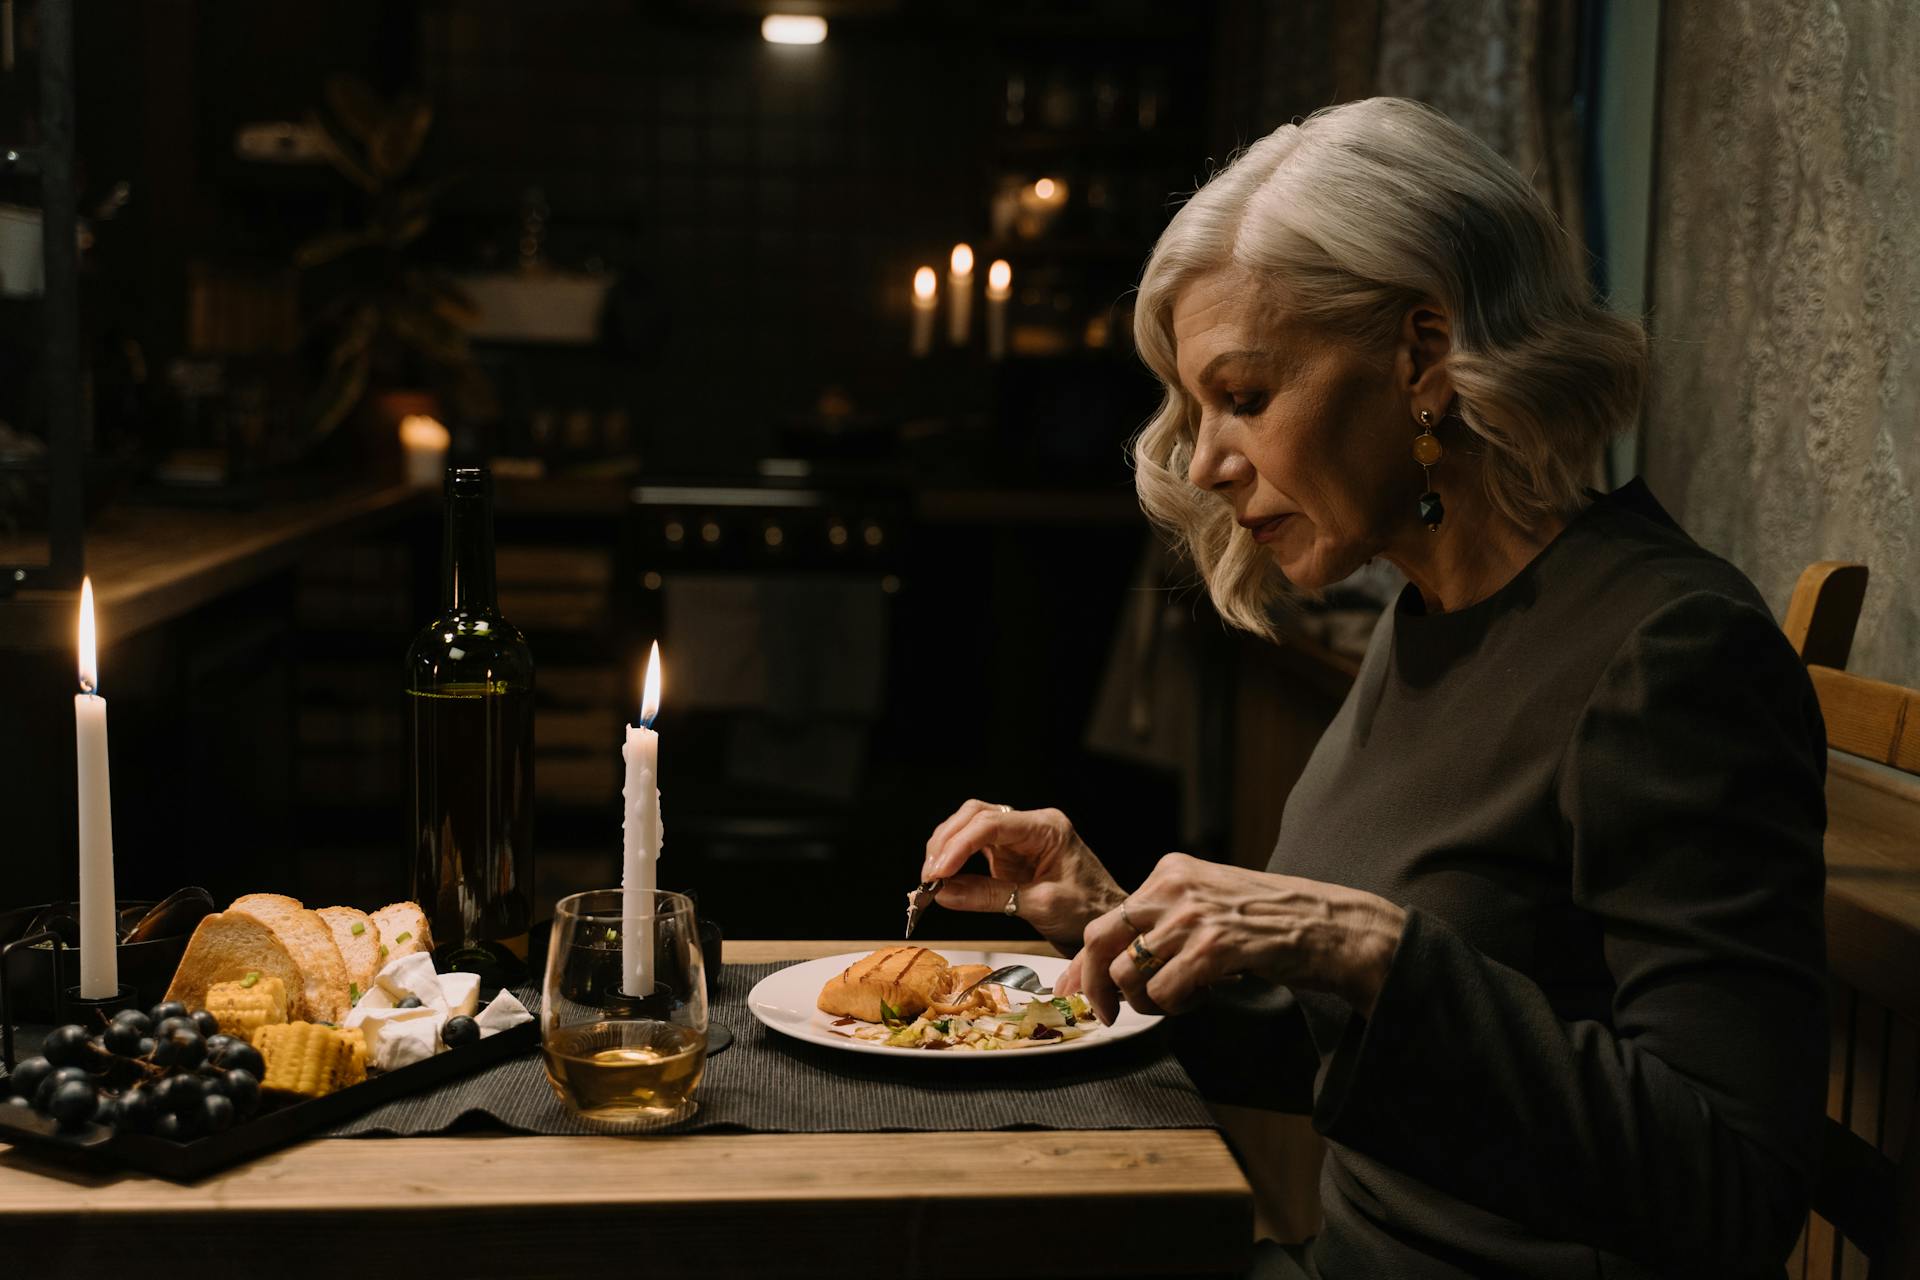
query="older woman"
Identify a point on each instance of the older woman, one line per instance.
(1540, 943)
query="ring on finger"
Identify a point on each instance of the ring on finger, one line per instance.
(1137, 930)
(1004, 808)
(1143, 958)
(1012, 907)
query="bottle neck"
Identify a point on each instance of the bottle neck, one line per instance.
(466, 558)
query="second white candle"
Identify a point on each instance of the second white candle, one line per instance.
(643, 837)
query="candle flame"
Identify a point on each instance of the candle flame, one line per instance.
(418, 431)
(1044, 188)
(962, 260)
(999, 276)
(650, 699)
(89, 668)
(924, 283)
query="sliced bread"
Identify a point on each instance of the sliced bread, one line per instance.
(403, 930)
(226, 947)
(358, 938)
(321, 994)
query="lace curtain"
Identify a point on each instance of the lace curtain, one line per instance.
(1784, 423)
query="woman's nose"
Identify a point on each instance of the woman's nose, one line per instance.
(1216, 465)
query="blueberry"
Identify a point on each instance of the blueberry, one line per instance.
(217, 1113)
(460, 1030)
(73, 1102)
(109, 1112)
(139, 1022)
(167, 1009)
(43, 1096)
(411, 1002)
(244, 1088)
(137, 1111)
(27, 1076)
(66, 1046)
(207, 1024)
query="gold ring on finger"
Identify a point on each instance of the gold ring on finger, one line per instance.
(1143, 958)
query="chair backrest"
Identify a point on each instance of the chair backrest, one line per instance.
(1867, 1199)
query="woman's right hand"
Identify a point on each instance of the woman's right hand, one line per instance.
(1035, 857)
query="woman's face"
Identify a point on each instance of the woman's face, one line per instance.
(1306, 435)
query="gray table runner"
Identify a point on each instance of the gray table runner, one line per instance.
(769, 1083)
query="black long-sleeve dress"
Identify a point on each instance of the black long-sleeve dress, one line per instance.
(1601, 1047)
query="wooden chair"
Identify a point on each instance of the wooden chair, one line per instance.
(1866, 1219)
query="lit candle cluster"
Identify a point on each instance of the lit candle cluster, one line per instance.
(926, 301)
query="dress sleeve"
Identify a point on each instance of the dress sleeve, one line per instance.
(1248, 1046)
(1684, 1129)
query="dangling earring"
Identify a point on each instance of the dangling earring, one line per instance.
(1426, 452)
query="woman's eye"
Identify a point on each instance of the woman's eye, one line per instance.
(1246, 406)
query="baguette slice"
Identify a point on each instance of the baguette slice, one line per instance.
(226, 947)
(321, 993)
(904, 978)
(360, 952)
(403, 930)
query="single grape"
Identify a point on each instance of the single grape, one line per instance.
(110, 1112)
(27, 1076)
(147, 1044)
(212, 1079)
(137, 1110)
(218, 1046)
(179, 1094)
(170, 1025)
(244, 1088)
(140, 1023)
(189, 1049)
(167, 1009)
(460, 1030)
(167, 1125)
(43, 1096)
(122, 1038)
(15, 1100)
(66, 1046)
(217, 1112)
(207, 1024)
(245, 1057)
(72, 1103)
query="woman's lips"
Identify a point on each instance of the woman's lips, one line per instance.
(1269, 530)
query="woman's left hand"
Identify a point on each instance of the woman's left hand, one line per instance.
(1204, 921)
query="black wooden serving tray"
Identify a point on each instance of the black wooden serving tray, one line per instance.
(269, 1130)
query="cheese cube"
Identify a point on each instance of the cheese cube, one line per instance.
(400, 1037)
(502, 1011)
(460, 992)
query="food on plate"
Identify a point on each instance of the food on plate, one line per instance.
(358, 938)
(248, 1003)
(902, 979)
(326, 960)
(503, 1012)
(912, 998)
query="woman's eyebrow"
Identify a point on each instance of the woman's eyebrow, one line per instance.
(1225, 356)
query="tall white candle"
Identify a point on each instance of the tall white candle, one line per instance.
(642, 839)
(999, 289)
(99, 961)
(925, 284)
(959, 294)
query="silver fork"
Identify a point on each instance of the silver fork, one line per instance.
(1017, 976)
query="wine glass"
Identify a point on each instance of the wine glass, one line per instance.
(623, 1018)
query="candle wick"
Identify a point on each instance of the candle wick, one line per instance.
(86, 686)
(646, 722)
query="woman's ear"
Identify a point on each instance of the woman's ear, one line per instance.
(1426, 340)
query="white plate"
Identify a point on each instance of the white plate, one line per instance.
(787, 1001)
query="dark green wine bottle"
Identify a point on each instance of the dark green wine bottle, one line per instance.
(470, 720)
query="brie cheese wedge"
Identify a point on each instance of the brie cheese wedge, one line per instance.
(460, 993)
(502, 1011)
(400, 1037)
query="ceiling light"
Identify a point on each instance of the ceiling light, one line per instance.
(792, 28)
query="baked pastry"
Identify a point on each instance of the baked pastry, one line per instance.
(903, 978)
(358, 938)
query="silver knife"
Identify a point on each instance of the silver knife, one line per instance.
(919, 900)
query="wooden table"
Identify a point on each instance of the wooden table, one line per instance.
(1135, 1202)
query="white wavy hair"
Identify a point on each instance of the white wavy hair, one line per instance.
(1348, 220)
